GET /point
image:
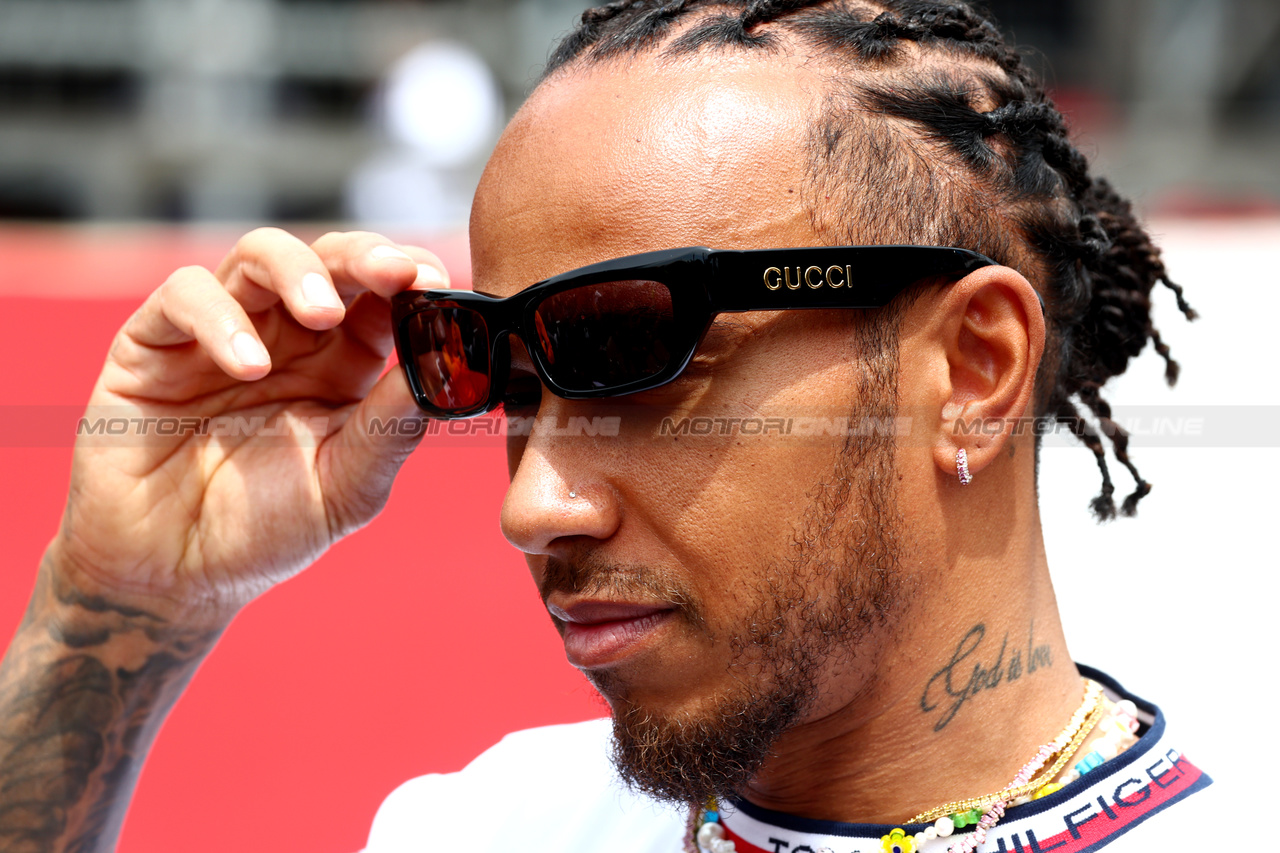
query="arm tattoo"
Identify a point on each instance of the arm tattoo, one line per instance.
(965, 676)
(84, 687)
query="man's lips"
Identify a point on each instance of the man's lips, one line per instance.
(598, 633)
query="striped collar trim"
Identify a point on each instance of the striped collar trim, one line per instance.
(1082, 817)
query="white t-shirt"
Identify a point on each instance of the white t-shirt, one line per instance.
(546, 789)
(554, 790)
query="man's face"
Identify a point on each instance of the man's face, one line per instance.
(716, 590)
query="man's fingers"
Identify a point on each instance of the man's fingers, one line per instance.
(269, 263)
(316, 284)
(192, 305)
(431, 272)
(316, 281)
(361, 260)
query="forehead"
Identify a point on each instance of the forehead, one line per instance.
(646, 154)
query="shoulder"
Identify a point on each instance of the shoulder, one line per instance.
(550, 788)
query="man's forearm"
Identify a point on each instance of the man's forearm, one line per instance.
(84, 687)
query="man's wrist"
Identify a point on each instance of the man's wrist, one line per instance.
(76, 596)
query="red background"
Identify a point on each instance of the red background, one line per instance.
(408, 649)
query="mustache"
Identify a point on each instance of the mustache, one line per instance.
(592, 577)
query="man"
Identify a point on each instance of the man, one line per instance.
(846, 642)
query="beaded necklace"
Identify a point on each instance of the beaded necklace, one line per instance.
(705, 833)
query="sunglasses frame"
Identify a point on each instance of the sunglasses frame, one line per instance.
(703, 283)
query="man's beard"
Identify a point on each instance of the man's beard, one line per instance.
(816, 607)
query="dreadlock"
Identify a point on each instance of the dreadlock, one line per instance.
(934, 117)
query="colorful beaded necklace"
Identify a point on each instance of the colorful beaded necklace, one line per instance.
(706, 834)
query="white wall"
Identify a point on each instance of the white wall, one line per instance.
(1177, 603)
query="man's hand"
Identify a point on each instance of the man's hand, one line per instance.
(168, 532)
(199, 524)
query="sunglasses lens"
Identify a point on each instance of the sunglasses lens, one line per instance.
(606, 335)
(451, 349)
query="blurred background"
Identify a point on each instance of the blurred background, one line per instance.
(198, 110)
(137, 136)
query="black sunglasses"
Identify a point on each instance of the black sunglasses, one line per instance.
(633, 323)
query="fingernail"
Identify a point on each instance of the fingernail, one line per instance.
(318, 293)
(248, 351)
(430, 276)
(381, 253)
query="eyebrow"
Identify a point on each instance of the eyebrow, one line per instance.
(723, 324)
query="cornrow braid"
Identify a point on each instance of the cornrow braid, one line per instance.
(593, 23)
(764, 11)
(963, 147)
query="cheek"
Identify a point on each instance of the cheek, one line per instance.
(737, 511)
(743, 493)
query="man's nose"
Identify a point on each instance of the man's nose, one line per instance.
(559, 494)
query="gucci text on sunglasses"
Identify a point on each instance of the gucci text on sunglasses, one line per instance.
(775, 278)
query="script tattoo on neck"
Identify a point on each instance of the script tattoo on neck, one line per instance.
(83, 688)
(948, 689)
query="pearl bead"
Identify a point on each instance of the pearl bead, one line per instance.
(930, 833)
(1126, 706)
(920, 839)
(945, 826)
(1107, 748)
(709, 831)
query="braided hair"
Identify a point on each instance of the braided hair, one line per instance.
(932, 116)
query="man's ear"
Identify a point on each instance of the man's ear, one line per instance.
(990, 328)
